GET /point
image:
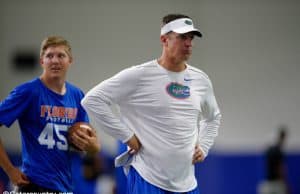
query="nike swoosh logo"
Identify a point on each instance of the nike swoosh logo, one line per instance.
(187, 79)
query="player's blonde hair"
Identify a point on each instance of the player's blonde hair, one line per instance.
(55, 41)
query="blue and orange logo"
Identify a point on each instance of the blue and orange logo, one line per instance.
(178, 91)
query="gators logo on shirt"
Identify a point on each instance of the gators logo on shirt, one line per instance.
(178, 91)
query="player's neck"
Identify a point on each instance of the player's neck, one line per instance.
(56, 85)
(171, 64)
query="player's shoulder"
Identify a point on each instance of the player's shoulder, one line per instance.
(28, 86)
(73, 88)
(140, 69)
(145, 66)
(197, 72)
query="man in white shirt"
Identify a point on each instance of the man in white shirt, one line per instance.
(169, 116)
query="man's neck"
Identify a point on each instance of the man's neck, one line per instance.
(56, 85)
(172, 65)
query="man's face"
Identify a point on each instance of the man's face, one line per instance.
(179, 46)
(56, 62)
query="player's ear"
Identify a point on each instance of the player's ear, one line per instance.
(163, 39)
(41, 61)
(71, 60)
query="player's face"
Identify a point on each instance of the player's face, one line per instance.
(56, 62)
(179, 46)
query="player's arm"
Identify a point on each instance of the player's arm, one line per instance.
(89, 143)
(98, 103)
(134, 144)
(13, 105)
(198, 155)
(14, 174)
(209, 124)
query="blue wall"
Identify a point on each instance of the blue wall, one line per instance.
(241, 173)
(237, 173)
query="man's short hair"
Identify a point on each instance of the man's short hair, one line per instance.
(55, 41)
(171, 17)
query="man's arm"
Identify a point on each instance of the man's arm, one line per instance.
(134, 144)
(98, 103)
(88, 143)
(209, 123)
(14, 174)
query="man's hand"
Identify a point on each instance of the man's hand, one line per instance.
(134, 144)
(17, 177)
(14, 174)
(198, 155)
(90, 144)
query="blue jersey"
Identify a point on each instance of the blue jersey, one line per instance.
(44, 117)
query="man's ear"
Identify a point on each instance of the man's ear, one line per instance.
(163, 39)
(71, 60)
(41, 61)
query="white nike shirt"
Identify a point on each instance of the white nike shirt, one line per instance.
(169, 112)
